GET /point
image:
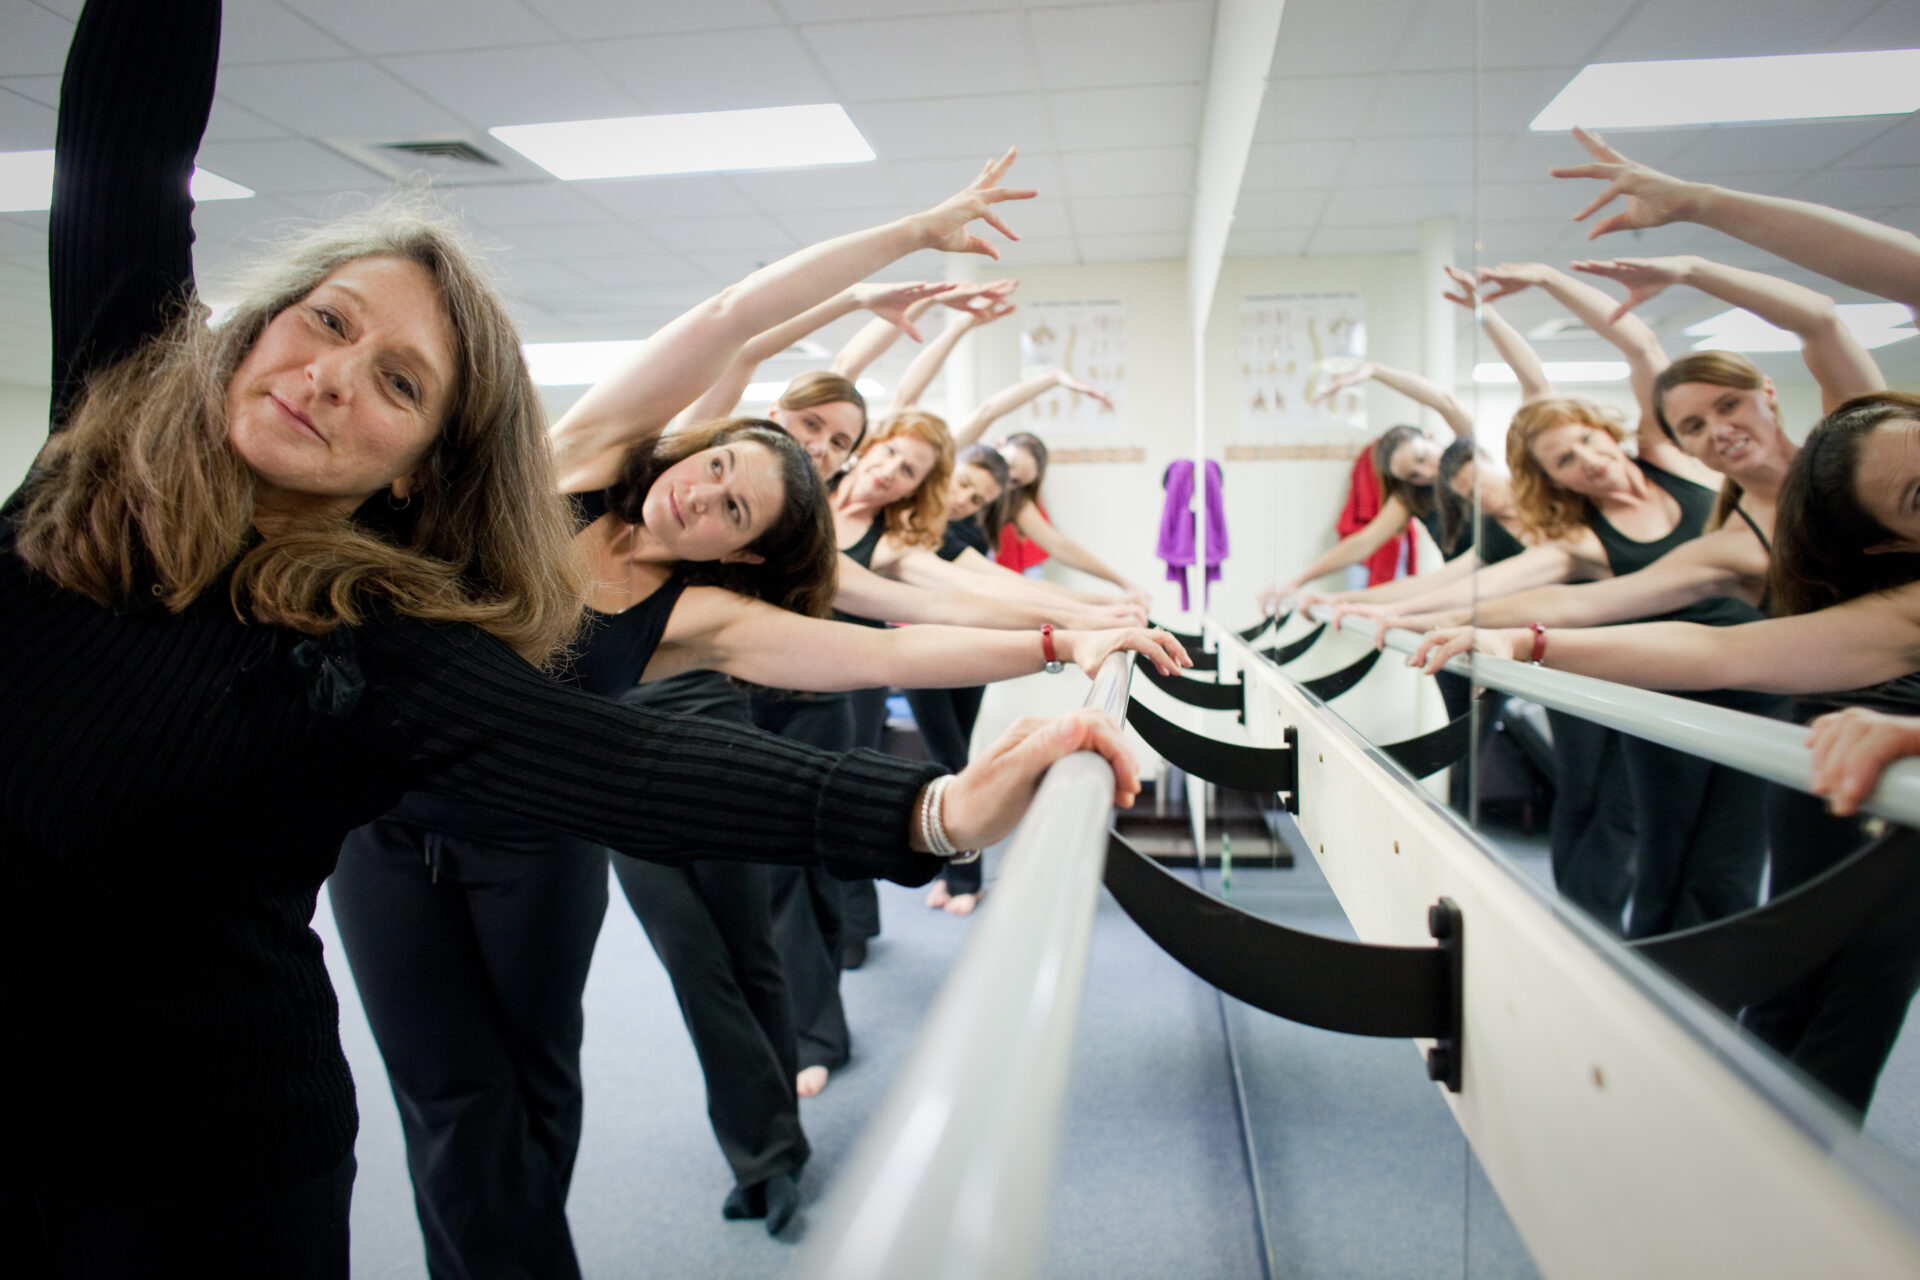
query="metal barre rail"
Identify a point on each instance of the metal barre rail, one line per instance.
(1767, 748)
(951, 1177)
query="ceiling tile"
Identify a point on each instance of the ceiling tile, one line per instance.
(535, 85)
(273, 166)
(383, 27)
(714, 71)
(525, 274)
(347, 98)
(535, 204)
(232, 123)
(1042, 218)
(749, 232)
(1132, 248)
(1525, 156)
(930, 57)
(44, 90)
(1038, 252)
(1279, 166)
(1509, 100)
(1440, 37)
(1356, 240)
(1404, 205)
(975, 128)
(569, 240)
(21, 238)
(840, 10)
(1316, 107)
(598, 19)
(1268, 210)
(687, 195)
(1133, 172)
(842, 186)
(1758, 27)
(1898, 145)
(1379, 162)
(807, 227)
(1098, 45)
(1846, 188)
(1131, 215)
(32, 41)
(1246, 243)
(1330, 37)
(1894, 25)
(1757, 147)
(25, 125)
(264, 31)
(925, 183)
(1149, 116)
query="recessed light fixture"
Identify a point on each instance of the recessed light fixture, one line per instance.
(26, 182)
(703, 142)
(1873, 324)
(1800, 86)
(1496, 373)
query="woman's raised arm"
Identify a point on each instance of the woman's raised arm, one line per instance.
(1513, 348)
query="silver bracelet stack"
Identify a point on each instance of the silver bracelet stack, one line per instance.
(932, 809)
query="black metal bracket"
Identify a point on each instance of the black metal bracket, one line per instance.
(1209, 695)
(1429, 753)
(1744, 958)
(1291, 799)
(1328, 687)
(1353, 987)
(1281, 655)
(1256, 769)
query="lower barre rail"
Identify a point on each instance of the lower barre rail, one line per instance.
(951, 1178)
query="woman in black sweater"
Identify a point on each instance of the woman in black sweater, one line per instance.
(262, 580)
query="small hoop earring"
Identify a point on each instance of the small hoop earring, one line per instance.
(401, 505)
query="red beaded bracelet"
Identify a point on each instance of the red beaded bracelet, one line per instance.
(1539, 630)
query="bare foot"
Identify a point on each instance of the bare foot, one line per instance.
(810, 1081)
(962, 904)
(939, 896)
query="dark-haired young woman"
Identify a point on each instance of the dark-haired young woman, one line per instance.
(261, 580)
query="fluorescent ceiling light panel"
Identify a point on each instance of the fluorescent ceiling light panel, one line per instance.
(765, 138)
(1496, 373)
(26, 182)
(575, 364)
(1873, 324)
(1801, 86)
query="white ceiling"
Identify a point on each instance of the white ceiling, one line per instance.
(1370, 124)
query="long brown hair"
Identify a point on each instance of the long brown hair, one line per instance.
(919, 518)
(1014, 500)
(1416, 498)
(992, 517)
(142, 485)
(822, 386)
(1822, 531)
(1547, 510)
(799, 556)
(1718, 369)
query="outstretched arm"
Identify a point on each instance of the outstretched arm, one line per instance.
(924, 569)
(686, 357)
(866, 594)
(1853, 250)
(1040, 530)
(134, 102)
(1356, 547)
(1007, 399)
(1724, 562)
(878, 336)
(756, 641)
(1515, 350)
(1411, 385)
(892, 305)
(1834, 356)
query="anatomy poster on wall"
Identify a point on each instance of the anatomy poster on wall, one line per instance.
(1292, 345)
(1088, 342)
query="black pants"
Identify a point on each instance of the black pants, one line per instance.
(1839, 1023)
(1702, 830)
(711, 923)
(92, 1232)
(808, 903)
(946, 718)
(1590, 835)
(471, 959)
(862, 911)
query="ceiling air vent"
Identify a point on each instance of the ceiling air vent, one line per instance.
(441, 160)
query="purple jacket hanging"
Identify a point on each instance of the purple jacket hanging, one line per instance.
(1176, 524)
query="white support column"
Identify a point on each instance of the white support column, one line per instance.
(1436, 313)
(963, 363)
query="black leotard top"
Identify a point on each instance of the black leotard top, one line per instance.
(1626, 555)
(1496, 544)
(174, 787)
(861, 553)
(962, 536)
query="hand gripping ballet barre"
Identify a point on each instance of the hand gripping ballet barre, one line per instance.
(951, 1177)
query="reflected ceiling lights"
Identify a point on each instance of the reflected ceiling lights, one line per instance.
(1801, 86)
(1873, 324)
(581, 364)
(1495, 372)
(26, 182)
(704, 142)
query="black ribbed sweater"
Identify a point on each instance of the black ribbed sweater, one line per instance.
(174, 788)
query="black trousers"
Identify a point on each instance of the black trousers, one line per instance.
(471, 960)
(1702, 830)
(1590, 836)
(711, 923)
(1839, 1023)
(100, 1232)
(862, 911)
(946, 718)
(808, 903)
